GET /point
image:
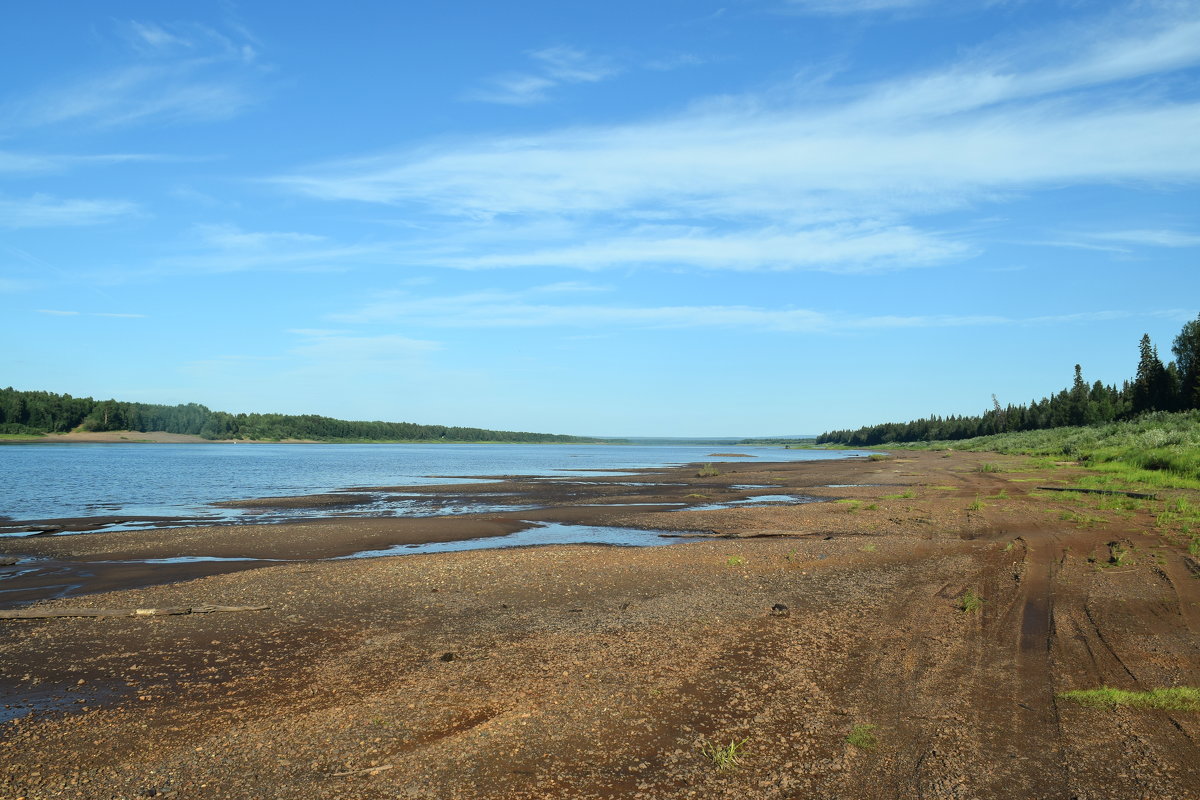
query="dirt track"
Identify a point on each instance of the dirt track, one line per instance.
(602, 672)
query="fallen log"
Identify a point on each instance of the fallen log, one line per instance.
(49, 613)
(1136, 495)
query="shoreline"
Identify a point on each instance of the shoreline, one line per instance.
(594, 671)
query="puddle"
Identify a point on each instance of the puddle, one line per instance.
(544, 533)
(760, 500)
(52, 702)
(624, 505)
(848, 485)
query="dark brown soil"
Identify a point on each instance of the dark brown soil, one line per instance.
(587, 671)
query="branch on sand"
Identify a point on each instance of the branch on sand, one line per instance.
(48, 613)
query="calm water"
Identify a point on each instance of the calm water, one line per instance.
(46, 481)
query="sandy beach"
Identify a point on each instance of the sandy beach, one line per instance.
(829, 640)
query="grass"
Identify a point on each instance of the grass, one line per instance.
(695, 496)
(725, 757)
(908, 494)
(735, 561)
(971, 602)
(976, 506)
(1000, 495)
(863, 737)
(868, 548)
(878, 457)
(708, 471)
(1160, 450)
(1082, 520)
(987, 466)
(1182, 698)
(851, 505)
(1119, 555)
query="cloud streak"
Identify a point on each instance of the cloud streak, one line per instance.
(46, 211)
(527, 309)
(552, 67)
(759, 181)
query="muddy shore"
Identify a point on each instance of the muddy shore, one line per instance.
(586, 671)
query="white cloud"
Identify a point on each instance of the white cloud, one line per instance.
(36, 163)
(1154, 238)
(229, 248)
(521, 309)
(847, 7)
(44, 211)
(60, 313)
(823, 179)
(833, 249)
(186, 72)
(552, 67)
(342, 349)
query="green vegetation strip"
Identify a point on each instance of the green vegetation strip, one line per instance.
(1182, 698)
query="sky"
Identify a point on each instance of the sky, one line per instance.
(654, 218)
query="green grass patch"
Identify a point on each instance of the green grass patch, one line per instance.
(851, 505)
(987, 466)
(708, 471)
(735, 561)
(878, 457)
(976, 506)
(1182, 698)
(908, 494)
(1081, 520)
(863, 737)
(725, 757)
(943, 488)
(970, 602)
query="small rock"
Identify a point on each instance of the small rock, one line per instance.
(448, 657)
(780, 610)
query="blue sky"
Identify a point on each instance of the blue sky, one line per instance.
(749, 217)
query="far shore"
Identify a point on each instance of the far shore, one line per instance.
(163, 437)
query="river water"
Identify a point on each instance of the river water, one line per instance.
(56, 481)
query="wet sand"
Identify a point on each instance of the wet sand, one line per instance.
(584, 671)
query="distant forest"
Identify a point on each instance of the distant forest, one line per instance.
(46, 412)
(1174, 386)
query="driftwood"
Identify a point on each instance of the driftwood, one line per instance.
(367, 771)
(48, 613)
(1137, 495)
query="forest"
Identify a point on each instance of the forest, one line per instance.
(1174, 386)
(37, 412)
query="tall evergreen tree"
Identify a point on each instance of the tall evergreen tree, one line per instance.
(1186, 348)
(1150, 385)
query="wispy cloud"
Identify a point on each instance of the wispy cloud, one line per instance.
(37, 163)
(181, 72)
(525, 309)
(552, 67)
(341, 348)
(229, 248)
(847, 7)
(45, 211)
(63, 313)
(841, 248)
(824, 178)
(1154, 238)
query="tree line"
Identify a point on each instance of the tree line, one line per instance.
(36, 412)
(1174, 386)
